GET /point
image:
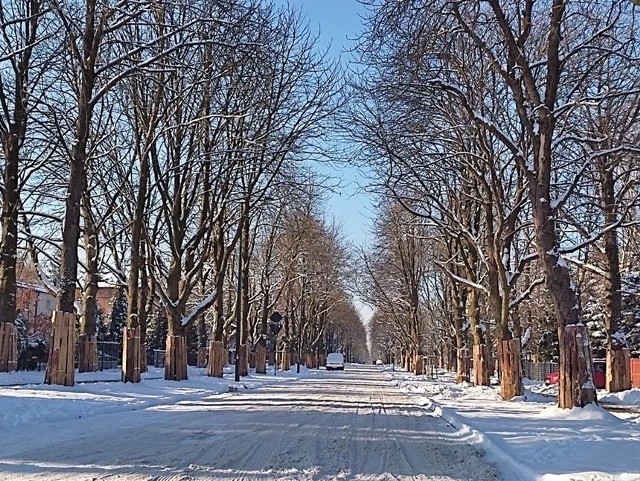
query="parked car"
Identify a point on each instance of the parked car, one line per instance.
(335, 360)
(599, 374)
(379, 362)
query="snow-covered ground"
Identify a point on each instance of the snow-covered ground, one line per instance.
(530, 438)
(366, 423)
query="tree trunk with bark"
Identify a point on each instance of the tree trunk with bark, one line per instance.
(510, 369)
(87, 349)
(618, 372)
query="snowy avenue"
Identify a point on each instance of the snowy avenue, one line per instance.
(351, 425)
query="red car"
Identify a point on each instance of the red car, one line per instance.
(599, 374)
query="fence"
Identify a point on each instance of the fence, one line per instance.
(635, 372)
(537, 371)
(158, 357)
(109, 355)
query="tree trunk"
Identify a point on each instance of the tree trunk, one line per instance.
(618, 377)
(216, 359)
(244, 360)
(87, 353)
(576, 378)
(131, 354)
(202, 342)
(60, 364)
(143, 309)
(175, 361)
(565, 301)
(510, 369)
(615, 342)
(261, 360)
(9, 243)
(8, 347)
(87, 349)
(12, 140)
(480, 365)
(480, 349)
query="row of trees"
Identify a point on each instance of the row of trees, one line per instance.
(144, 143)
(502, 139)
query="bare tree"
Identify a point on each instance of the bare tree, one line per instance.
(24, 27)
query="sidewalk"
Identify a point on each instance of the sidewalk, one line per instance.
(532, 439)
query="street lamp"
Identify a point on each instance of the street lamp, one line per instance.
(238, 309)
(302, 312)
(275, 323)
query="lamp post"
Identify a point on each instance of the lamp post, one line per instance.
(275, 323)
(238, 311)
(302, 313)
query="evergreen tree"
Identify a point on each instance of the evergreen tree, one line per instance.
(102, 328)
(157, 328)
(631, 311)
(118, 315)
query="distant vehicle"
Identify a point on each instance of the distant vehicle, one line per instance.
(335, 360)
(599, 374)
(379, 362)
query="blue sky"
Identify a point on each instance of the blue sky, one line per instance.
(338, 23)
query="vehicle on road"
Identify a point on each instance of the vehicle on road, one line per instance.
(379, 362)
(599, 374)
(335, 360)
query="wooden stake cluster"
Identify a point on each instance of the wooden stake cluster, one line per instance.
(286, 361)
(143, 357)
(575, 356)
(175, 366)
(618, 363)
(244, 360)
(261, 360)
(87, 353)
(481, 365)
(131, 353)
(202, 357)
(463, 366)
(510, 369)
(418, 365)
(61, 362)
(216, 359)
(8, 347)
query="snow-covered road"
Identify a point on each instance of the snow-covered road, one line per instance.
(351, 425)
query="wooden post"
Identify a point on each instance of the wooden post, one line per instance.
(175, 361)
(244, 360)
(61, 363)
(418, 365)
(286, 361)
(8, 347)
(202, 357)
(510, 369)
(143, 358)
(462, 368)
(216, 361)
(130, 354)
(480, 365)
(87, 353)
(576, 378)
(618, 377)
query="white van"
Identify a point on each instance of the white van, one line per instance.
(335, 360)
